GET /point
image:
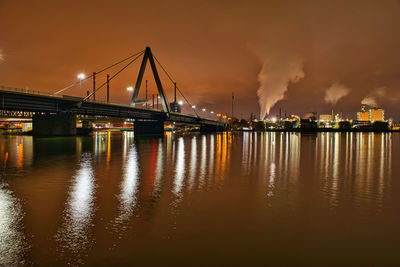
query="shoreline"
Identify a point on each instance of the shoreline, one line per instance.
(237, 131)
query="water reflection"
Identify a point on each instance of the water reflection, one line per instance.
(358, 163)
(12, 240)
(160, 167)
(180, 167)
(203, 160)
(212, 156)
(80, 204)
(156, 187)
(193, 162)
(129, 185)
(16, 152)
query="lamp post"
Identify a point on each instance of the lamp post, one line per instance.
(129, 89)
(81, 76)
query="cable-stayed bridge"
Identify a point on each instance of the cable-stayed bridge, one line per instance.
(55, 114)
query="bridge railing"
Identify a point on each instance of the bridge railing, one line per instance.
(34, 92)
(26, 91)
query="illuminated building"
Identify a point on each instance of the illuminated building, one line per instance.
(376, 114)
(325, 117)
(363, 115)
(373, 114)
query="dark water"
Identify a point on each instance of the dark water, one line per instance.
(218, 199)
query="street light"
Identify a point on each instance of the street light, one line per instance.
(180, 103)
(193, 107)
(81, 76)
(203, 109)
(129, 89)
(212, 112)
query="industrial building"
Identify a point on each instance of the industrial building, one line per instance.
(376, 114)
(373, 114)
(363, 115)
(325, 117)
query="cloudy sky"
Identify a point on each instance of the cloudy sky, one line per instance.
(299, 56)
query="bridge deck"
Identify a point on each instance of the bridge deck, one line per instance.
(34, 101)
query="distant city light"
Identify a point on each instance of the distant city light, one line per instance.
(273, 119)
(180, 103)
(212, 112)
(81, 76)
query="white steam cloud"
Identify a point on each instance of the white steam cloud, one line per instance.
(371, 99)
(274, 78)
(335, 92)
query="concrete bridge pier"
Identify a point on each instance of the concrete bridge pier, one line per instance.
(148, 127)
(59, 124)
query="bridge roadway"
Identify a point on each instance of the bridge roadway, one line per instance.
(16, 99)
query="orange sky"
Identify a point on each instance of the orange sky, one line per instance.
(212, 48)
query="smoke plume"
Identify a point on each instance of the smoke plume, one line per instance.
(335, 92)
(372, 98)
(369, 101)
(274, 78)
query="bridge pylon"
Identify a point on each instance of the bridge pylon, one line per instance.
(148, 56)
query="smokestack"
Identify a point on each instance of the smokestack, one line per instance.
(332, 118)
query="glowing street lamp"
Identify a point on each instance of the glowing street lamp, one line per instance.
(81, 76)
(193, 107)
(203, 109)
(129, 89)
(180, 103)
(212, 112)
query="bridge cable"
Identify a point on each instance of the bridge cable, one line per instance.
(113, 65)
(112, 77)
(173, 82)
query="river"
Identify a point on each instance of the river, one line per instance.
(114, 198)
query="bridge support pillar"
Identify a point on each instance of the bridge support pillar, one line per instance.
(149, 127)
(60, 124)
